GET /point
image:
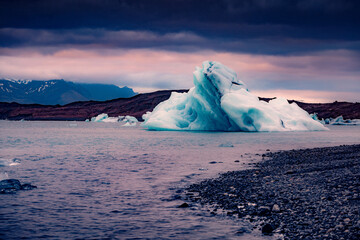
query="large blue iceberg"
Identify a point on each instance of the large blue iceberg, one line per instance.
(219, 101)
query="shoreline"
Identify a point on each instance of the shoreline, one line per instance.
(139, 104)
(301, 194)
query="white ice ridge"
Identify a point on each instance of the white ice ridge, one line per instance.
(219, 101)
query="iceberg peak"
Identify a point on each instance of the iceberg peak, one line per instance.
(219, 101)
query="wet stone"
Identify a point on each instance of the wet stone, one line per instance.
(184, 205)
(267, 229)
(275, 208)
(262, 211)
(10, 186)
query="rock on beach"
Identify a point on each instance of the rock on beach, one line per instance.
(13, 185)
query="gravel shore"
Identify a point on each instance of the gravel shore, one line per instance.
(301, 194)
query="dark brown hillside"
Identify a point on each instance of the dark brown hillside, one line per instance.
(324, 110)
(135, 106)
(138, 105)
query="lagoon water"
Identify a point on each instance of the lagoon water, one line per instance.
(103, 181)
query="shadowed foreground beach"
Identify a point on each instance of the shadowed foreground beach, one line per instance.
(302, 194)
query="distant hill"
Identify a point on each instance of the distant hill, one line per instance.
(135, 106)
(138, 105)
(52, 92)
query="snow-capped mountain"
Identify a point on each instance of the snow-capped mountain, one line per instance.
(52, 92)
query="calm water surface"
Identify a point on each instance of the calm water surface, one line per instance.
(100, 180)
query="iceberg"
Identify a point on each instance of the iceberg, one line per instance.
(128, 121)
(103, 117)
(219, 101)
(341, 121)
(336, 121)
(4, 162)
(316, 118)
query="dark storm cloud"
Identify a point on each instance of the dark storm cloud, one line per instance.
(178, 41)
(97, 37)
(113, 14)
(227, 20)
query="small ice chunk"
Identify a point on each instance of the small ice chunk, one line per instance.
(126, 120)
(5, 162)
(341, 121)
(100, 117)
(103, 117)
(111, 120)
(129, 121)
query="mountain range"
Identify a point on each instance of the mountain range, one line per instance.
(53, 92)
(64, 100)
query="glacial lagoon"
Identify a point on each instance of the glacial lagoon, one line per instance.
(100, 180)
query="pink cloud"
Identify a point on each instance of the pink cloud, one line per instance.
(146, 69)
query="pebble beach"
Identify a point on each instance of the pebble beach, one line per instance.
(297, 194)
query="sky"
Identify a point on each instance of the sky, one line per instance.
(307, 50)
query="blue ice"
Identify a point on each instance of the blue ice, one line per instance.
(219, 101)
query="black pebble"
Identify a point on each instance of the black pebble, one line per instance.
(267, 229)
(184, 205)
